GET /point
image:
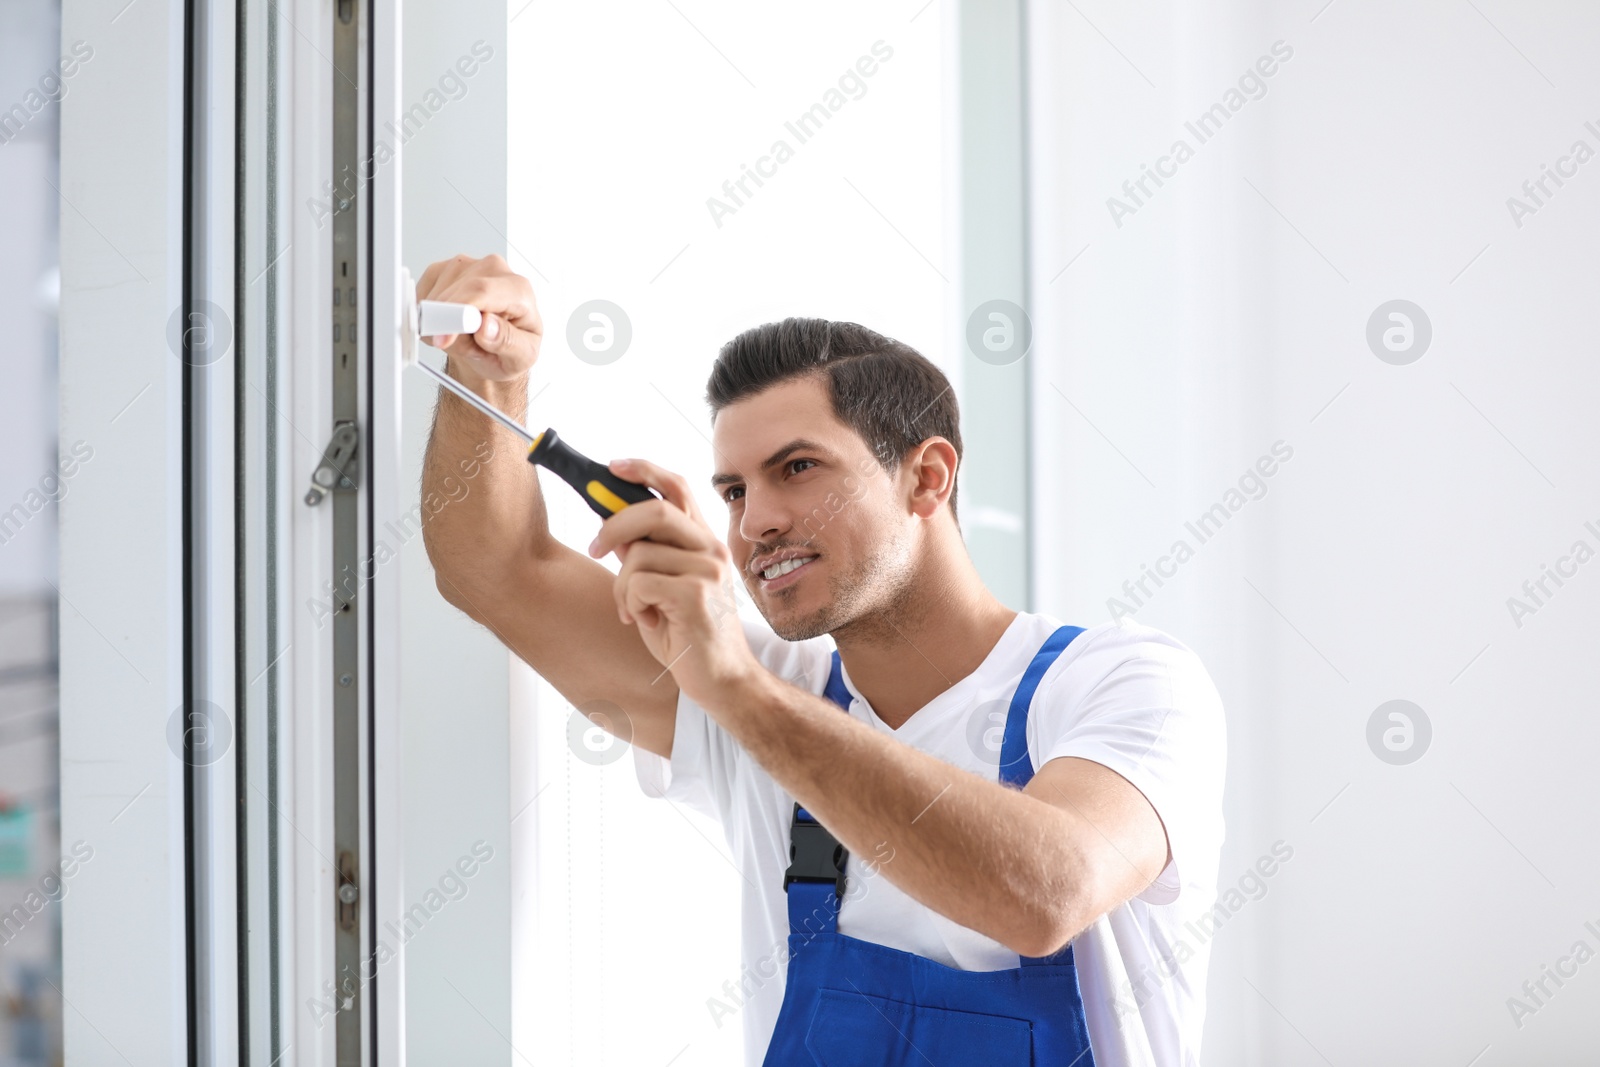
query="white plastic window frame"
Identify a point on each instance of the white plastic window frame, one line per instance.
(151, 552)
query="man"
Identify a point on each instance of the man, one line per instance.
(1029, 815)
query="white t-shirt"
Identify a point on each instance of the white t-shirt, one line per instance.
(1121, 694)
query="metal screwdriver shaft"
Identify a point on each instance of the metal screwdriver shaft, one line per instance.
(478, 402)
(604, 492)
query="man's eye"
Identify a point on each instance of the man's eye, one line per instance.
(733, 493)
(794, 462)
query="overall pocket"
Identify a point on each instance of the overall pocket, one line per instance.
(851, 1029)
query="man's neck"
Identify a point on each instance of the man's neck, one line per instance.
(938, 632)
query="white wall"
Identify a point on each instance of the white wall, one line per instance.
(455, 689)
(1228, 313)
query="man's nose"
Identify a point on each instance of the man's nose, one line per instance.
(762, 519)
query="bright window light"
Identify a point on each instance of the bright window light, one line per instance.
(703, 167)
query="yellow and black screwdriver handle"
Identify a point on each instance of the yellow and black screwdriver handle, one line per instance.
(604, 492)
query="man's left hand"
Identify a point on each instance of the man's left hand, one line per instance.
(677, 585)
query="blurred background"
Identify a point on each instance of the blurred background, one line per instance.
(1273, 327)
(31, 483)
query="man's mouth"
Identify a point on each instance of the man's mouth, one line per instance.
(776, 571)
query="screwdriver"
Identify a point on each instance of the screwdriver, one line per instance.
(604, 492)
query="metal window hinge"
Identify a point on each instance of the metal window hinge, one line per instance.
(338, 470)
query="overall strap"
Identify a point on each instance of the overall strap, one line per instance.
(814, 882)
(836, 690)
(1016, 769)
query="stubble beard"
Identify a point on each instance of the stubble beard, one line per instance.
(868, 602)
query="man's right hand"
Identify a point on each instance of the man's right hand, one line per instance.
(507, 343)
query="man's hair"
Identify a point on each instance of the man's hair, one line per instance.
(888, 392)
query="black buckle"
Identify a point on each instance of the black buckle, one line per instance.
(815, 855)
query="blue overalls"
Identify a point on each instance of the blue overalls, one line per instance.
(853, 1003)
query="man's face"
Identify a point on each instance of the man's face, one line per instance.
(818, 529)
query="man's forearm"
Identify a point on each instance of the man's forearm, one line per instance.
(486, 509)
(981, 854)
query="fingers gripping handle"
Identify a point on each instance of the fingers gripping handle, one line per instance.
(431, 318)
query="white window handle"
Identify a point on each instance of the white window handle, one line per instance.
(431, 318)
(434, 317)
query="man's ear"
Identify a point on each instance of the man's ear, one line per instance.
(931, 472)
